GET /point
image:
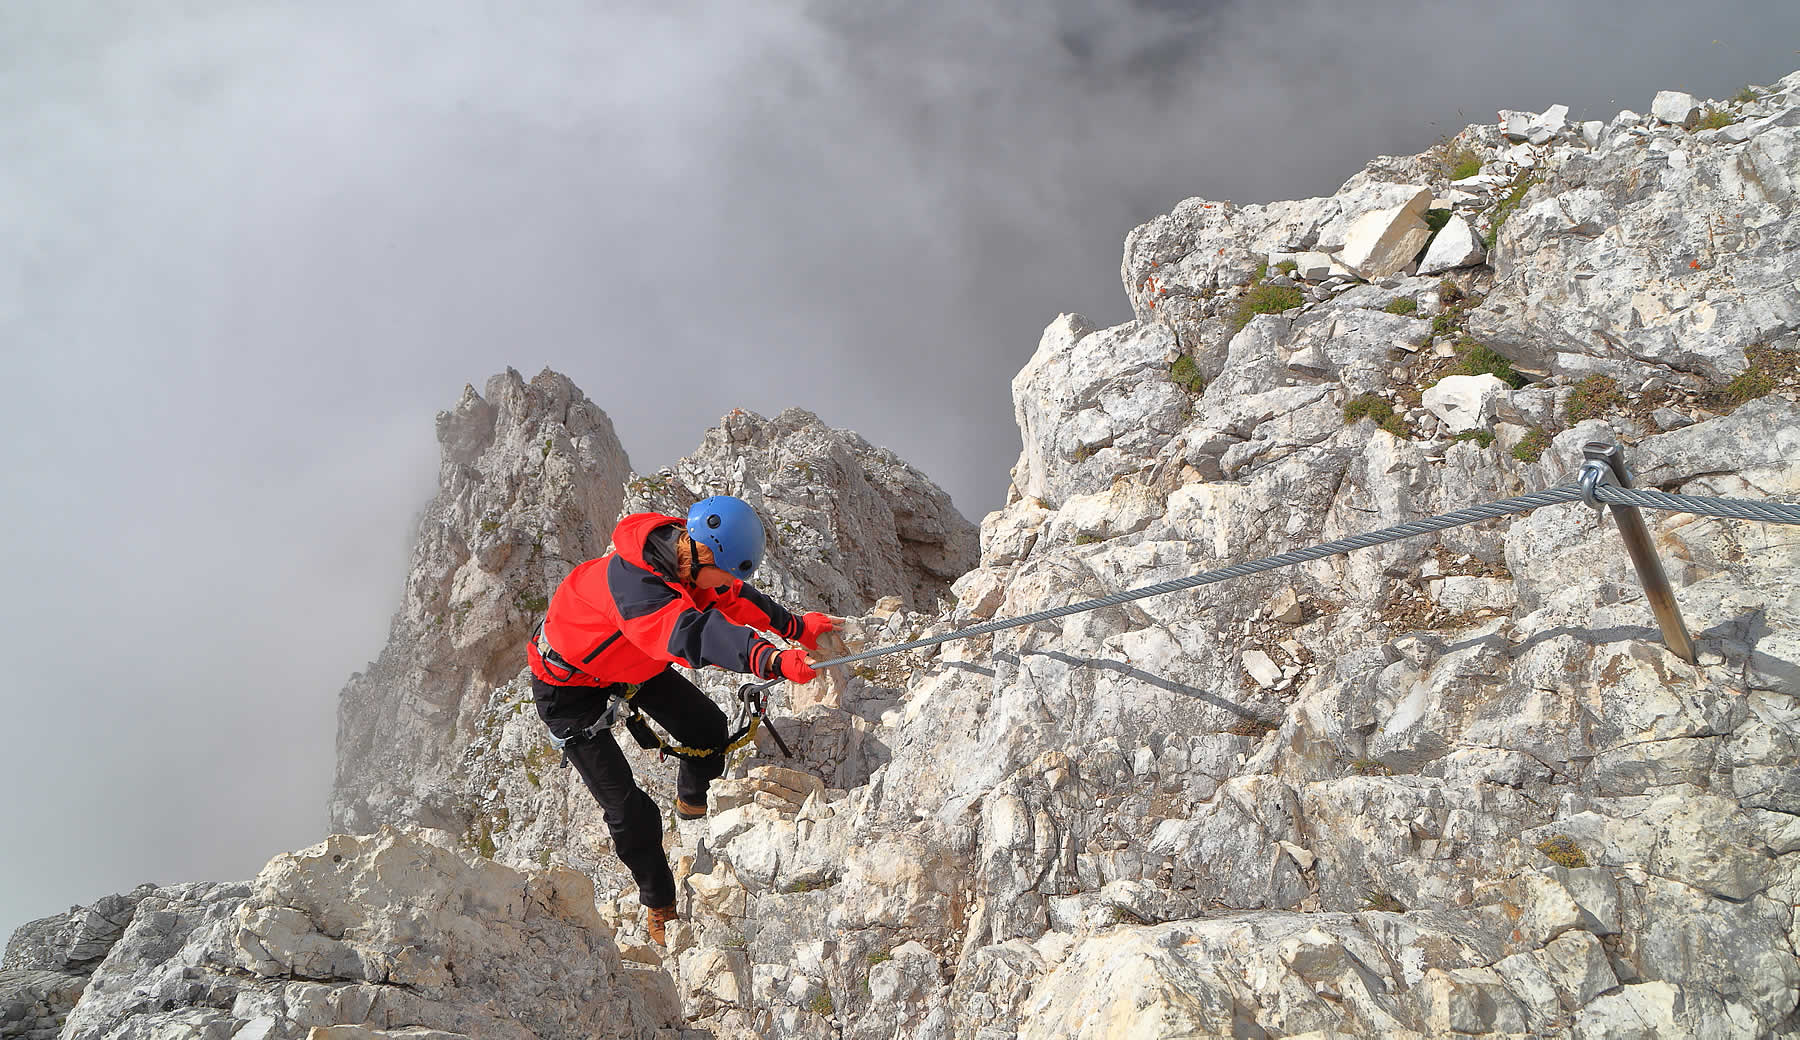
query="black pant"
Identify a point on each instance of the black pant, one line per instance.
(690, 717)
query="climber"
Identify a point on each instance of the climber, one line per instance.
(671, 592)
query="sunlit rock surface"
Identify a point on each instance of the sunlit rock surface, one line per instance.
(1452, 785)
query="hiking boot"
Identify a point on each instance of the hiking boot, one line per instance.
(660, 916)
(690, 811)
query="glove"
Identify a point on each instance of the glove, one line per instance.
(812, 626)
(791, 665)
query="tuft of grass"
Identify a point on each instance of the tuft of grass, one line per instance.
(1456, 161)
(1185, 373)
(1746, 95)
(821, 1004)
(1436, 219)
(1251, 727)
(1370, 767)
(1403, 305)
(1265, 299)
(1449, 291)
(1259, 272)
(879, 957)
(1288, 267)
(1085, 538)
(1748, 385)
(1561, 850)
(1484, 438)
(1474, 359)
(1504, 209)
(815, 885)
(1377, 409)
(1531, 447)
(1711, 118)
(1595, 398)
(1384, 902)
(1769, 368)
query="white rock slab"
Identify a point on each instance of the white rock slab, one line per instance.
(1457, 245)
(1261, 668)
(1673, 106)
(1384, 242)
(1466, 402)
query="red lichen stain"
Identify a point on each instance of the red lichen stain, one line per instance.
(1694, 264)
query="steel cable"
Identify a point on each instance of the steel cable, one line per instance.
(1732, 508)
(1769, 512)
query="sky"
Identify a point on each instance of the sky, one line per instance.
(248, 250)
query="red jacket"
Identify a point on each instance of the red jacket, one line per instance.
(618, 619)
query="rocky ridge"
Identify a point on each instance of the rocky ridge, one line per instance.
(1446, 786)
(532, 479)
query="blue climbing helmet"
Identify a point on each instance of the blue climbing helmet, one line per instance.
(732, 530)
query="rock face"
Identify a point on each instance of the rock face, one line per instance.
(848, 523)
(388, 935)
(1445, 786)
(48, 963)
(441, 731)
(531, 479)
(1450, 785)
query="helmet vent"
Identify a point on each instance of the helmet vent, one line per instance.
(745, 566)
(713, 521)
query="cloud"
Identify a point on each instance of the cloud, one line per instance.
(256, 246)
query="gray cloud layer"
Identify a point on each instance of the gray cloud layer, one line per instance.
(253, 248)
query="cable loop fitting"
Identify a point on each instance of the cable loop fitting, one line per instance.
(1594, 474)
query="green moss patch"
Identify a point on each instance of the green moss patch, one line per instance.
(1504, 209)
(1265, 299)
(1769, 370)
(1561, 850)
(1185, 373)
(1710, 118)
(1377, 410)
(1475, 359)
(1531, 447)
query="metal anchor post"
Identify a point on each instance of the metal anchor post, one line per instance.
(1606, 465)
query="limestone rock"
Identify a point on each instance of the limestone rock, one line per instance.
(371, 933)
(1673, 106)
(1455, 246)
(1446, 785)
(531, 479)
(1381, 242)
(848, 522)
(1466, 402)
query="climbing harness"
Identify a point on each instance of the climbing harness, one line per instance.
(1604, 480)
(752, 712)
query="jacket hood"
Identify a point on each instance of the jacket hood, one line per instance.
(631, 531)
